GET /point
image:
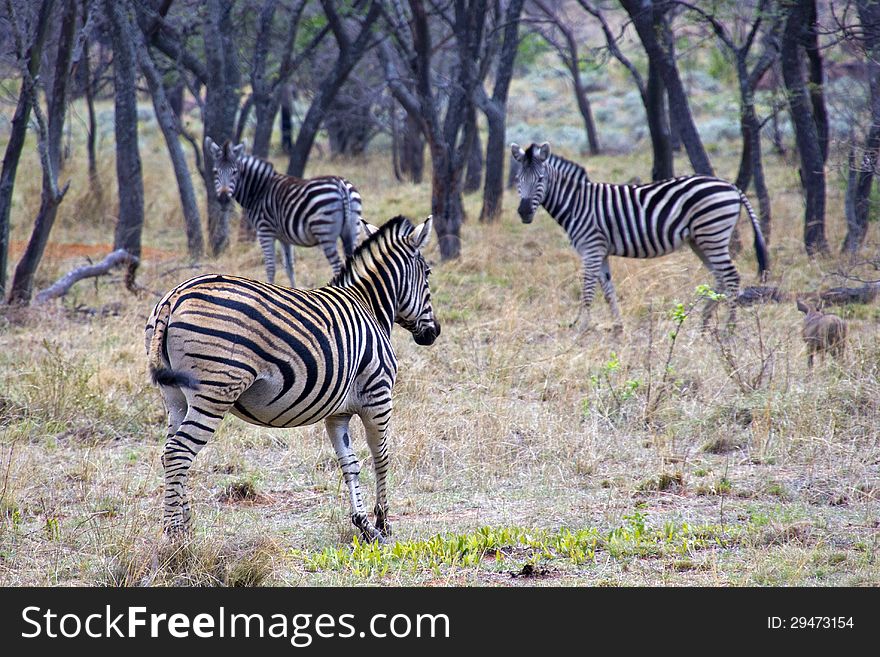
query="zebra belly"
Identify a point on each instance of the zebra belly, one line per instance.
(256, 406)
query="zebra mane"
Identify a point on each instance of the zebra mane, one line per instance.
(558, 162)
(399, 225)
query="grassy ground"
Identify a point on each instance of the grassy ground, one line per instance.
(520, 454)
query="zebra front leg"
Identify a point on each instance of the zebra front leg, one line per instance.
(376, 426)
(267, 245)
(287, 252)
(180, 450)
(610, 295)
(337, 430)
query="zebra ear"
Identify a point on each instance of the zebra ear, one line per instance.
(420, 236)
(216, 152)
(804, 308)
(238, 151)
(543, 152)
(517, 152)
(368, 229)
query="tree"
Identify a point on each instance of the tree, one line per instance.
(652, 93)
(169, 123)
(448, 141)
(129, 179)
(864, 163)
(751, 165)
(495, 109)
(350, 52)
(798, 14)
(29, 53)
(561, 35)
(49, 130)
(646, 16)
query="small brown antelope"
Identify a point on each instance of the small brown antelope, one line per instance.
(822, 332)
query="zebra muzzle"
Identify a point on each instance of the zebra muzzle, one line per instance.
(427, 336)
(525, 211)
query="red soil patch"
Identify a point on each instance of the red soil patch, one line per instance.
(64, 251)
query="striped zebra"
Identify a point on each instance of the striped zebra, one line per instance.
(281, 357)
(635, 221)
(310, 212)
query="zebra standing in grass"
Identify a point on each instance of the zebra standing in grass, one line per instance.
(281, 357)
(295, 211)
(635, 221)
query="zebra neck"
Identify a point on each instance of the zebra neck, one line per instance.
(562, 189)
(254, 176)
(379, 300)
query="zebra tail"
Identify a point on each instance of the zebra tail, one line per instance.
(760, 244)
(350, 228)
(160, 373)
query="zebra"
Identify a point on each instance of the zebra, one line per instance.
(295, 211)
(281, 357)
(635, 221)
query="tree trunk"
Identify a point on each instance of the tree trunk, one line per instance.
(221, 107)
(496, 154)
(170, 130)
(412, 150)
(649, 21)
(243, 116)
(859, 185)
(473, 178)
(446, 202)
(128, 160)
(806, 135)
(816, 84)
(22, 286)
(91, 138)
(286, 119)
(350, 54)
(658, 125)
(12, 156)
(495, 110)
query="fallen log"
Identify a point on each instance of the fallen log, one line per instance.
(115, 259)
(839, 296)
(760, 294)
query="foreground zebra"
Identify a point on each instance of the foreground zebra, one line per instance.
(312, 212)
(635, 221)
(280, 357)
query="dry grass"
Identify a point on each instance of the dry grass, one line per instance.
(507, 421)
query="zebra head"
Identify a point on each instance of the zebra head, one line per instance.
(531, 181)
(414, 310)
(225, 168)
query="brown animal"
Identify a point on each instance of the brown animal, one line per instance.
(822, 332)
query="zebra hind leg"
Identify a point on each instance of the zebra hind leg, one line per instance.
(328, 246)
(337, 430)
(181, 448)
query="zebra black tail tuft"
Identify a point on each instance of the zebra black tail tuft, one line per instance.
(165, 376)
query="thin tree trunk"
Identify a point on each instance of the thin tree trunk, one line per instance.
(649, 22)
(50, 133)
(812, 163)
(128, 161)
(473, 178)
(658, 126)
(495, 110)
(91, 138)
(412, 153)
(170, 130)
(32, 55)
(861, 174)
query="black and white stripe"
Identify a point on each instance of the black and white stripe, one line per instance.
(281, 357)
(634, 221)
(295, 211)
